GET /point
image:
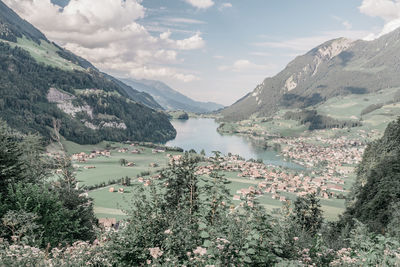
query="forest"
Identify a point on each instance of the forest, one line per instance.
(315, 121)
(183, 219)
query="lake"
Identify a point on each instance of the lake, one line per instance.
(201, 133)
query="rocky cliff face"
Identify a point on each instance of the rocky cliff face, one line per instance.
(322, 54)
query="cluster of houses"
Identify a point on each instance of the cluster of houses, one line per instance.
(134, 151)
(328, 152)
(83, 157)
(274, 181)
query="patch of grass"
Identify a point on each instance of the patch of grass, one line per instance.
(45, 53)
(348, 107)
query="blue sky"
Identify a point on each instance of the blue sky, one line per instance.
(210, 50)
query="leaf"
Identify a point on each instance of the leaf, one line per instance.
(202, 226)
(204, 234)
(251, 251)
(207, 243)
(247, 259)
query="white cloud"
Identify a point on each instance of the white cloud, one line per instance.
(346, 24)
(108, 35)
(185, 21)
(194, 42)
(203, 4)
(224, 6)
(244, 65)
(260, 54)
(388, 10)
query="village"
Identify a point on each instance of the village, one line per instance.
(327, 163)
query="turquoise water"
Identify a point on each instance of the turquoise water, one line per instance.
(199, 133)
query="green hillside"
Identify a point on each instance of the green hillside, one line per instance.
(41, 82)
(375, 196)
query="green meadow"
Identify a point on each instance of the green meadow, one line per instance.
(45, 53)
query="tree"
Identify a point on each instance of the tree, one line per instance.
(377, 188)
(11, 165)
(21, 159)
(123, 162)
(80, 207)
(193, 223)
(308, 213)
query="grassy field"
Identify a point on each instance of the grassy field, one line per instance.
(109, 168)
(348, 107)
(45, 53)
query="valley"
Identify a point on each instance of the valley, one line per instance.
(275, 180)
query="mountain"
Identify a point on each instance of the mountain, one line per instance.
(41, 82)
(13, 27)
(170, 99)
(337, 67)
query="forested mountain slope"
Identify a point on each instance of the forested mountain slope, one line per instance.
(41, 82)
(376, 194)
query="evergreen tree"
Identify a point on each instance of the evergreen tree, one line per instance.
(308, 213)
(12, 168)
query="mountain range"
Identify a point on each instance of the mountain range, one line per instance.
(42, 83)
(337, 67)
(171, 99)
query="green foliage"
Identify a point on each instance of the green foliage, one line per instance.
(43, 213)
(21, 225)
(21, 159)
(370, 109)
(183, 116)
(308, 213)
(11, 165)
(183, 220)
(377, 187)
(316, 121)
(53, 218)
(123, 162)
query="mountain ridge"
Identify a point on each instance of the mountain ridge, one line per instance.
(336, 67)
(171, 99)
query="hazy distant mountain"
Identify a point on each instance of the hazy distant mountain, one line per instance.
(337, 67)
(170, 99)
(41, 82)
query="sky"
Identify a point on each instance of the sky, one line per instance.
(209, 50)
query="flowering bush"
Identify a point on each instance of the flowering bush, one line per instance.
(79, 254)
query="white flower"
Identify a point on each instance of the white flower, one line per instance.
(201, 251)
(155, 252)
